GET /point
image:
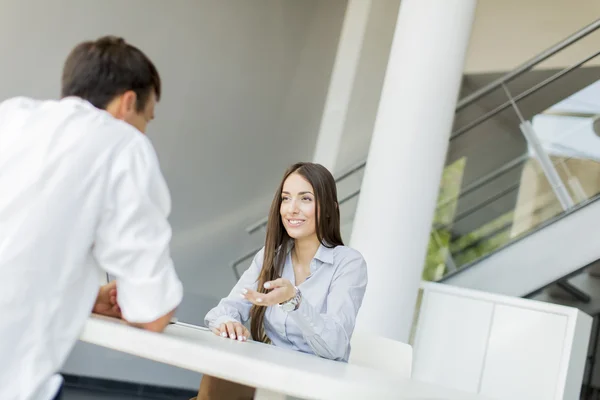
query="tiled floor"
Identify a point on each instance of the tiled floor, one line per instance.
(83, 394)
(86, 388)
(86, 394)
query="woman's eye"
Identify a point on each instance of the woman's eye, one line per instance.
(307, 199)
(285, 198)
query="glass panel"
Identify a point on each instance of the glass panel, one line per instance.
(348, 197)
(497, 205)
(438, 259)
(347, 212)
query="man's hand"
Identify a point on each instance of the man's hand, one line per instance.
(106, 302)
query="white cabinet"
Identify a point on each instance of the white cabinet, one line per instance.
(502, 347)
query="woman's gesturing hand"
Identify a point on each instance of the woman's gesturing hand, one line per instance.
(280, 291)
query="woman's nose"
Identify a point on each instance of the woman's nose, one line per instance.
(294, 207)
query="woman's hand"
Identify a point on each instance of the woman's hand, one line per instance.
(233, 330)
(281, 290)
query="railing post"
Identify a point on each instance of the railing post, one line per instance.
(558, 186)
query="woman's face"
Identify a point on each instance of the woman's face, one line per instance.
(298, 208)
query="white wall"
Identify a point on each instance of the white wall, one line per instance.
(244, 87)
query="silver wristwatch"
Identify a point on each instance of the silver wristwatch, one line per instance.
(293, 303)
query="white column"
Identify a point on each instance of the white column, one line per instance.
(341, 83)
(406, 158)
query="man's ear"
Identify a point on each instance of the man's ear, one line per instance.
(128, 102)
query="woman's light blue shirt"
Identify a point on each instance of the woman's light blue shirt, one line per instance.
(331, 298)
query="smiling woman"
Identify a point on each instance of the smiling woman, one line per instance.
(303, 290)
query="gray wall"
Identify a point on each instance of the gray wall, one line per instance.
(244, 88)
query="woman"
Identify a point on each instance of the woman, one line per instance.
(303, 290)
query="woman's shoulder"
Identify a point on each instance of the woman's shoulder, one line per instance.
(346, 254)
(349, 262)
(260, 256)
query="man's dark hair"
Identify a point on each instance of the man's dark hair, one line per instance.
(98, 71)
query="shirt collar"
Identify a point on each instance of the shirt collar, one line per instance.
(78, 101)
(325, 254)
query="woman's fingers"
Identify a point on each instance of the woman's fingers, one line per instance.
(221, 330)
(275, 284)
(239, 331)
(233, 330)
(250, 295)
(275, 296)
(260, 299)
(230, 330)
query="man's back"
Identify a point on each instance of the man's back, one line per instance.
(65, 168)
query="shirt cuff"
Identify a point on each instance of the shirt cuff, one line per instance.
(146, 300)
(221, 320)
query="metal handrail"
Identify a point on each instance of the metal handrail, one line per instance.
(478, 121)
(528, 65)
(484, 180)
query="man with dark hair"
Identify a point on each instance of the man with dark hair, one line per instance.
(81, 193)
(114, 76)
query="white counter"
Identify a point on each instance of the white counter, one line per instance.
(255, 364)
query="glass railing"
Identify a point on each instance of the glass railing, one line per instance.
(554, 131)
(524, 150)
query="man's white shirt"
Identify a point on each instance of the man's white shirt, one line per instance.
(79, 191)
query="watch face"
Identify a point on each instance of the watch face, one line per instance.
(289, 306)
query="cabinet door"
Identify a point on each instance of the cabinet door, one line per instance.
(450, 341)
(524, 354)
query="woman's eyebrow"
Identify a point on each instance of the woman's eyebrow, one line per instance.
(300, 193)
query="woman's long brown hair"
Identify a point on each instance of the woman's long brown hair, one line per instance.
(277, 241)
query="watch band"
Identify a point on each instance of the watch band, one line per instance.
(294, 303)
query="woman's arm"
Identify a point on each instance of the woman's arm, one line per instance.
(328, 334)
(234, 307)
